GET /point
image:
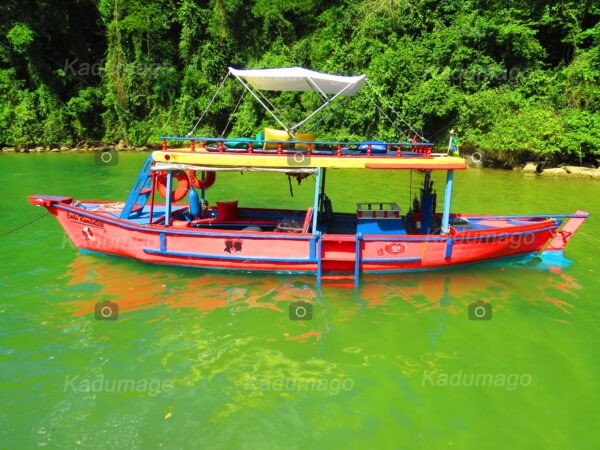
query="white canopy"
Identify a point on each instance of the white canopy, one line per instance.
(300, 79)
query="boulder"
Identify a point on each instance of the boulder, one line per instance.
(530, 167)
(583, 172)
(8, 149)
(554, 172)
(122, 145)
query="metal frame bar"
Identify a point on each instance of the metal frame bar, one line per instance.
(316, 201)
(329, 100)
(357, 260)
(319, 257)
(169, 199)
(447, 202)
(262, 103)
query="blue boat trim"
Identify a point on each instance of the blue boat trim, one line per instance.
(225, 257)
(535, 216)
(283, 236)
(391, 260)
(124, 224)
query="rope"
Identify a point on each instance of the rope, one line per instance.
(233, 113)
(387, 117)
(209, 105)
(589, 237)
(24, 225)
(328, 113)
(395, 112)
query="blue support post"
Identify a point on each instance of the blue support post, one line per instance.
(169, 199)
(319, 244)
(357, 260)
(316, 201)
(447, 201)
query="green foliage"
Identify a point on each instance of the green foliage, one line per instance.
(513, 78)
(20, 36)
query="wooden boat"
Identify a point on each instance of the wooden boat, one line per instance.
(377, 238)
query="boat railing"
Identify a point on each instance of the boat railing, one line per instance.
(312, 148)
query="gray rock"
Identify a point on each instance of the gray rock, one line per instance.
(583, 172)
(530, 167)
(557, 171)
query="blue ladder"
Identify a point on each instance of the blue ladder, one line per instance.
(138, 197)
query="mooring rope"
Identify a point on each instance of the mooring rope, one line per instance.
(23, 226)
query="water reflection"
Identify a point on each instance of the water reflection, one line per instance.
(136, 286)
(246, 349)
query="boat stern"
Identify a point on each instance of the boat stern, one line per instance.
(554, 251)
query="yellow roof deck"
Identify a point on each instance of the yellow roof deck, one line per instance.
(201, 157)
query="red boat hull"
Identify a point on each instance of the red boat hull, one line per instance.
(294, 252)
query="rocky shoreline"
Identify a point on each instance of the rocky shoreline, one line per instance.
(531, 168)
(537, 168)
(84, 148)
(561, 171)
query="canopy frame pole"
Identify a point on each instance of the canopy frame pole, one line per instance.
(273, 107)
(262, 103)
(316, 201)
(322, 191)
(209, 105)
(447, 201)
(316, 87)
(322, 106)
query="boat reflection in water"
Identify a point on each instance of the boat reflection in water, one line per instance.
(134, 287)
(231, 333)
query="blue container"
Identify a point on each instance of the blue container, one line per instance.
(376, 146)
(194, 203)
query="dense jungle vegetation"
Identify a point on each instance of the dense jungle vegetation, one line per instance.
(514, 78)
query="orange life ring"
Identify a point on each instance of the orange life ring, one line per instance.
(183, 185)
(198, 183)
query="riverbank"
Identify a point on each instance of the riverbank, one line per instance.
(587, 169)
(474, 161)
(84, 148)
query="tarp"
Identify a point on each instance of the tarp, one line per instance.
(300, 79)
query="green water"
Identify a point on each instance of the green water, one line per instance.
(212, 360)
